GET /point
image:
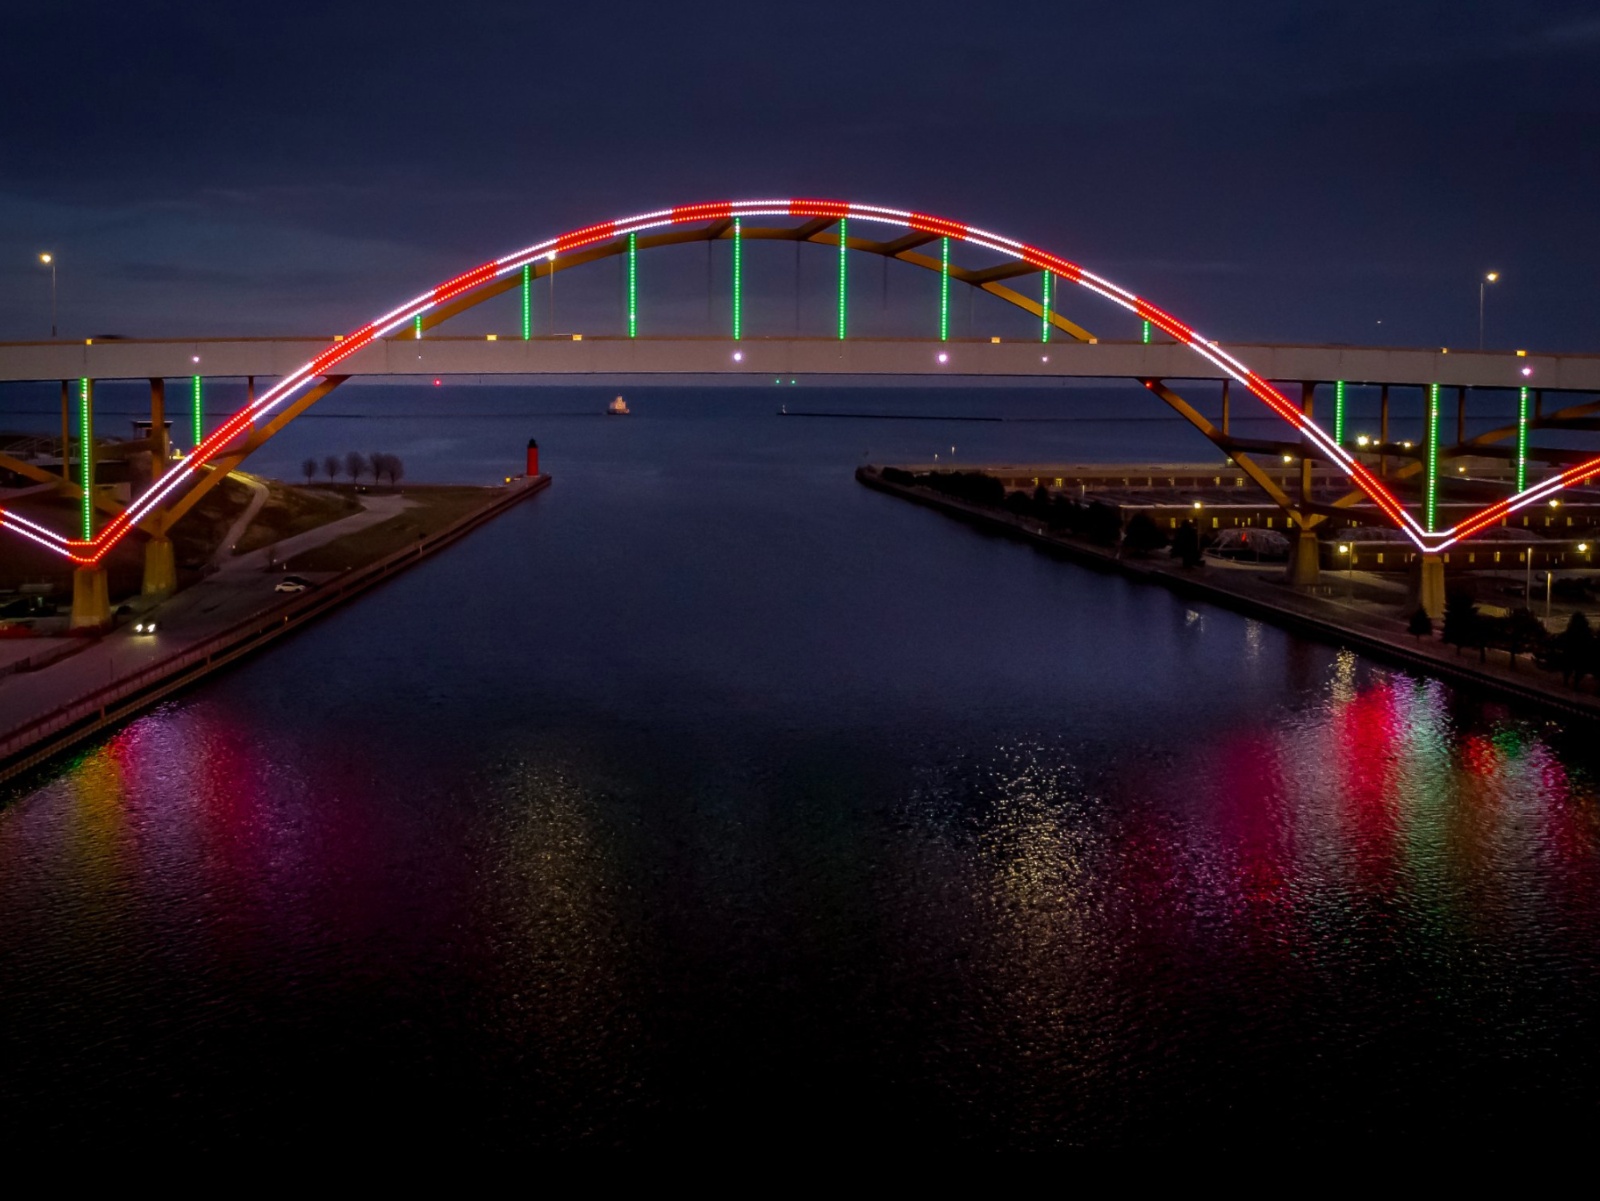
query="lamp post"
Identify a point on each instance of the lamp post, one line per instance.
(49, 260)
(1482, 284)
(1348, 551)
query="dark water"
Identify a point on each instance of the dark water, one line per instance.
(710, 796)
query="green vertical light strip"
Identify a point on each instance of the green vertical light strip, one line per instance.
(85, 459)
(1044, 328)
(944, 292)
(527, 301)
(1338, 412)
(199, 416)
(417, 326)
(1146, 331)
(841, 278)
(1522, 440)
(1433, 456)
(633, 285)
(738, 279)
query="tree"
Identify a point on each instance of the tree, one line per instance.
(1570, 651)
(1041, 503)
(310, 468)
(1521, 632)
(1143, 535)
(1462, 624)
(1186, 545)
(397, 470)
(332, 466)
(1420, 625)
(1102, 523)
(355, 465)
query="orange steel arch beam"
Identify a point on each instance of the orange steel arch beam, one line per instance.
(498, 275)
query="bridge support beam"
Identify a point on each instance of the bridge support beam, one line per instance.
(91, 599)
(1431, 593)
(1305, 563)
(160, 568)
(68, 488)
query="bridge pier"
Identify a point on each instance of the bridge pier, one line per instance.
(67, 486)
(160, 567)
(91, 599)
(1431, 593)
(1305, 563)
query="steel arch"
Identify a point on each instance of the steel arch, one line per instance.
(496, 275)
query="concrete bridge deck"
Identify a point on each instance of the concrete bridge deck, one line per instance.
(758, 358)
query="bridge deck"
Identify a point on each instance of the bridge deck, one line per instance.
(764, 358)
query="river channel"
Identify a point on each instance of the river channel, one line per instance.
(712, 797)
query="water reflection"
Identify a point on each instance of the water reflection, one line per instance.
(665, 824)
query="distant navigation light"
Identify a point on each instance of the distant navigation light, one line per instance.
(1527, 371)
(435, 383)
(194, 358)
(738, 356)
(943, 357)
(1044, 358)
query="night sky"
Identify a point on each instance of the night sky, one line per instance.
(1309, 172)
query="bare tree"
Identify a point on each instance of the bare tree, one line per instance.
(332, 466)
(310, 468)
(377, 462)
(397, 470)
(355, 465)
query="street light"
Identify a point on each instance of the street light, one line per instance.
(49, 260)
(1483, 283)
(1346, 550)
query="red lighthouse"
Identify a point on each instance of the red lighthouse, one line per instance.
(533, 457)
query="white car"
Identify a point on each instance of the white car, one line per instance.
(144, 626)
(291, 583)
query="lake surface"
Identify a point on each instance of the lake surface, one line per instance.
(710, 796)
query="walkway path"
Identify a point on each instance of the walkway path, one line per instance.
(374, 509)
(260, 493)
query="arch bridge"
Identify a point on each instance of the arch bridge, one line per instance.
(403, 341)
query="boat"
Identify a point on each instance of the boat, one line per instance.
(617, 408)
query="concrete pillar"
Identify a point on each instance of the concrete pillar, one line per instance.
(1383, 428)
(1306, 392)
(1305, 563)
(160, 449)
(67, 487)
(91, 599)
(1431, 593)
(160, 567)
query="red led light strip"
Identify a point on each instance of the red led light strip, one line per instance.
(185, 469)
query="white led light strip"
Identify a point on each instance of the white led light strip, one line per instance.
(418, 306)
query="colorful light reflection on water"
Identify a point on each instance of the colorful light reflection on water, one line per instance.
(712, 793)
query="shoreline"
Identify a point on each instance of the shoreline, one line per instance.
(39, 739)
(1307, 615)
